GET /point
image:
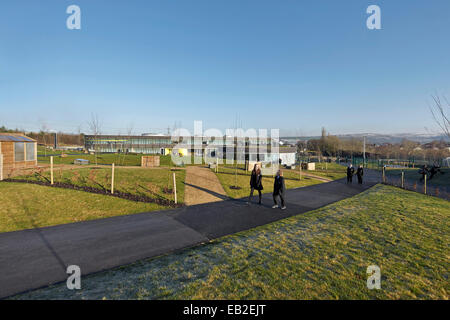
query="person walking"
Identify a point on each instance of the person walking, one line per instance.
(359, 174)
(255, 183)
(278, 190)
(423, 171)
(350, 173)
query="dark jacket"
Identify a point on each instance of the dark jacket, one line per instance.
(278, 185)
(256, 181)
(360, 172)
(350, 171)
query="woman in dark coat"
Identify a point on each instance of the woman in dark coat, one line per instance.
(350, 173)
(360, 173)
(255, 183)
(278, 190)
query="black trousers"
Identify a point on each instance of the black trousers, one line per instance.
(275, 196)
(359, 179)
(349, 178)
(251, 195)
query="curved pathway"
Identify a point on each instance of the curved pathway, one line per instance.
(31, 259)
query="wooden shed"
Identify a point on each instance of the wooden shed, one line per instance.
(149, 161)
(17, 152)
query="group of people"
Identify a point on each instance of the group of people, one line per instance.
(351, 173)
(278, 187)
(425, 171)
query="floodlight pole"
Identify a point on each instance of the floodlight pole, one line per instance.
(364, 151)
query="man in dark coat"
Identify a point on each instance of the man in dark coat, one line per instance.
(435, 169)
(350, 173)
(255, 183)
(360, 173)
(423, 171)
(278, 190)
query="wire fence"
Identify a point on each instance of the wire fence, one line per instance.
(417, 186)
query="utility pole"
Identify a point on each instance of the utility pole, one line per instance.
(364, 151)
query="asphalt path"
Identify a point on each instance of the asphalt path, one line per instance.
(31, 259)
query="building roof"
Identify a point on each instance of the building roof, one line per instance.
(15, 137)
(288, 149)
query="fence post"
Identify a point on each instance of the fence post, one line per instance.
(51, 169)
(112, 179)
(175, 188)
(1, 167)
(300, 171)
(425, 185)
(384, 176)
(403, 180)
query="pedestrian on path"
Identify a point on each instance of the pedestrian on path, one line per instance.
(350, 173)
(255, 183)
(359, 174)
(278, 190)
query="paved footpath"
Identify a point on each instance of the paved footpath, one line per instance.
(202, 186)
(31, 259)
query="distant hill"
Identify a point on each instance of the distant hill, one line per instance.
(375, 138)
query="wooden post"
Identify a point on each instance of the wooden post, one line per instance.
(1, 167)
(51, 169)
(384, 175)
(300, 171)
(112, 179)
(403, 180)
(425, 185)
(175, 188)
(217, 164)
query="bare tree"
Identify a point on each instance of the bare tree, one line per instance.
(79, 134)
(439, 111)
(95, 128)
(130, 129)
(43, 132)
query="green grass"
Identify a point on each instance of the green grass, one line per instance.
(27, 206)
(228, 179)
(42, 151)
(139, 181)
(322, 254)
(105, 159)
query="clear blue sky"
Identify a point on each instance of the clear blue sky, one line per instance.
(293, 65)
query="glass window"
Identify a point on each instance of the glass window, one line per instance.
(31, 154)
(19, 148)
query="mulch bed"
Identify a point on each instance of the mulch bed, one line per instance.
(117, 194)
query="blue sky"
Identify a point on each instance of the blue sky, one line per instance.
(292, 65)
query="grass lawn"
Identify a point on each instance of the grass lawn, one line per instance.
(26, 206)
(104, 159)
(43, 151)
(322, 254)
(138, 181)
(228, 179)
